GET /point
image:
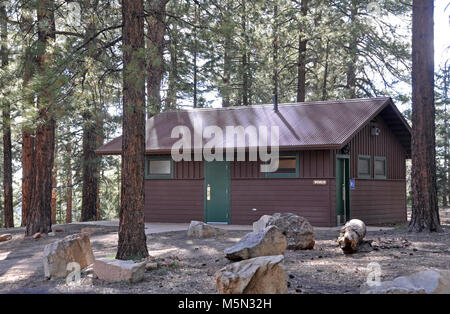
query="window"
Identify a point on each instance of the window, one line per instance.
(159, 167)
(287, 167)
(364, 167)
(380, 167)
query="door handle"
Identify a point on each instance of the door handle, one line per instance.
(208, 192)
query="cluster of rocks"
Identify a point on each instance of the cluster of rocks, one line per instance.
(59, 256)
(258, 256)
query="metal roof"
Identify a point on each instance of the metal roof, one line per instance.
(309, 125)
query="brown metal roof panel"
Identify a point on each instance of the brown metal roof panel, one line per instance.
(313, 124)
(113, 147)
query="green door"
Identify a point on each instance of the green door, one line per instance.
(217, 192)
(342, 189)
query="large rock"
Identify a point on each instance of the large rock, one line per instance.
(261, 223)
(424, 282)
(198, 229)
(5, 237)
(352, 235)
(110, 269)
(270, 241)
(260, 275)
(73, 248)
(298, 231)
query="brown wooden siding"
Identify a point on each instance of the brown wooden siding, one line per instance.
(332, 202)
(383, 145)
(168, 200)
(313, 164)
(316, 164)
(188, 170)
(379, 201)
(270, 196)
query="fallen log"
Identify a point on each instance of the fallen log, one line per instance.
(351, 236)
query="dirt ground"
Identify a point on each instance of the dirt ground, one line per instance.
(188, 265)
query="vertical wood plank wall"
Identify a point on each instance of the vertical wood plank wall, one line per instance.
(181, 199)
(176, 200)
(378, 201)
(250, 190)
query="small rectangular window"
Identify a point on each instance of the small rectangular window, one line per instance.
(364, 167)
(287, 166)
(380, 167)
(158, 167)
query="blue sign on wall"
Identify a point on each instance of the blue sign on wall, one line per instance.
(352, 184)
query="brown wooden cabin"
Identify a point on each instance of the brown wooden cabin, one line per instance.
(338, 160)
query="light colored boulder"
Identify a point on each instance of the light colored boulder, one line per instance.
(198, 229)
(73, 248)
(5, 237)
(268, 242)
(110, 269)
(261, 223)
(260, 275)
(298, 231)
(424, 282)
(352, 235)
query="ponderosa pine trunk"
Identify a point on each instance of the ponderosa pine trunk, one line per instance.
(90, 169)
(28, 154)
(301, 63)
(54, 196)
(156, 44)
(226, 90)
(28, 149)
(69, 190)
(171, 100)
(353, 51)
(425, 212)
(100, 142)
(275, 56)
(195, 58)
(132, 240)
(39, 216)
(325, 71)
(245, 70)
(446, 183)
(8, 210)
